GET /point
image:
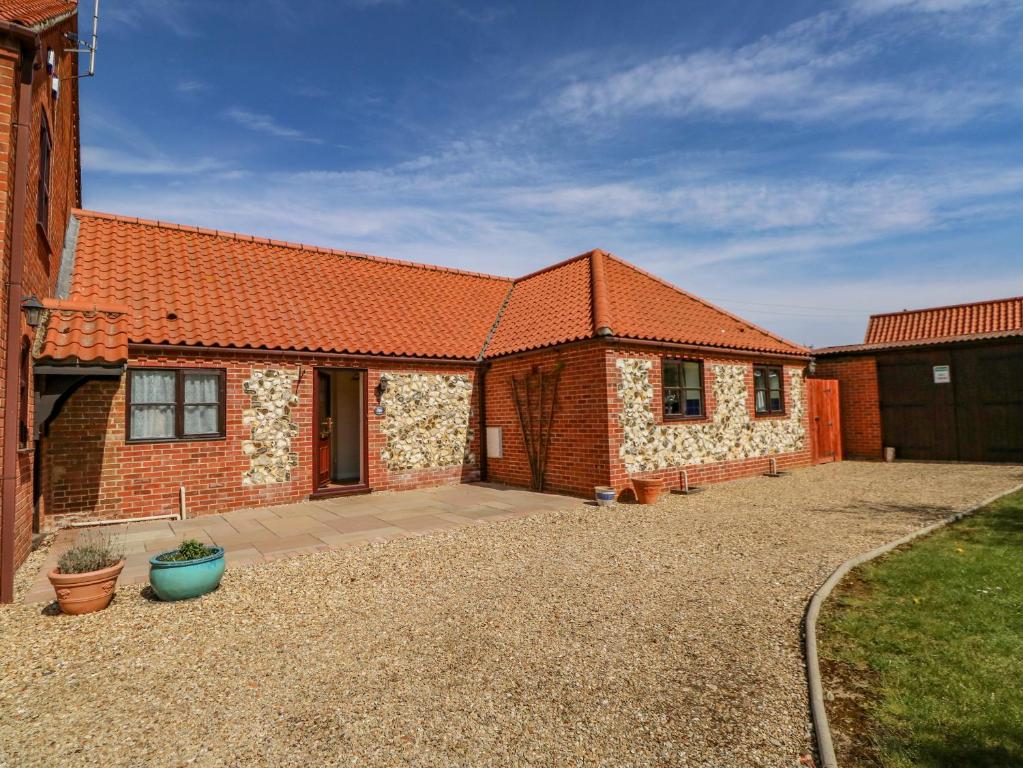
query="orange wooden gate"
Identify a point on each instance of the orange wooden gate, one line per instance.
(825, 422)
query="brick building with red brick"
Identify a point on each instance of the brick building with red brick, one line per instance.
(184, 369)
(40, 183)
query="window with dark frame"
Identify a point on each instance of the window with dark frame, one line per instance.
(175, 404)
(24, 393)
(43, 202)
(768, 393)
(682, 388)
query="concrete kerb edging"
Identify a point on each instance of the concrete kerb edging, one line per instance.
(822, 731)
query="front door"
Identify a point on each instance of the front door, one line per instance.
(324, 429)
(825, 429)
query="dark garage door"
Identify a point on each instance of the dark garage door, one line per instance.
(976, 416)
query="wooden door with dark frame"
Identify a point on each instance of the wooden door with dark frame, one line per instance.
(331, 428)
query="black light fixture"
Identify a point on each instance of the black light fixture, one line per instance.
(33, 309)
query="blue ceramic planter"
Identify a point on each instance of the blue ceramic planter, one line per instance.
(182, 579)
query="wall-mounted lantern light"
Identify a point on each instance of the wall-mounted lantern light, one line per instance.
(381, 388)
(812, 367)
(33, 309)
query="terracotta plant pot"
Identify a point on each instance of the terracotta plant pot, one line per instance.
(79, 593)
(648, 490)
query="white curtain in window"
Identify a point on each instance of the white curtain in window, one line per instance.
(761, 401)
(152, 386)
(201, 391)
(201, 419)
(152, 410)
(202, 387)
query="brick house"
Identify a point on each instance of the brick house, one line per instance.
(183, 368)
(40, 182)
(941, 383)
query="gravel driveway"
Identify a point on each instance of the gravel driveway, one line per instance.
(664, 635)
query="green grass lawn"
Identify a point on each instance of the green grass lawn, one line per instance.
(924, 649)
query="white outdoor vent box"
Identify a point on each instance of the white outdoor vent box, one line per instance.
(495, 443)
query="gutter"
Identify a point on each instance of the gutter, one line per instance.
(211, 351)
(30, 45)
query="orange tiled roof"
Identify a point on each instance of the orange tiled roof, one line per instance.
(83, 332)
(982, 318)
(190, 286)
(642, 306)
(35, 13)
(595, 290)
(547, 307)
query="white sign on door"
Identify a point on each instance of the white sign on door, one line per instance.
(942, 374)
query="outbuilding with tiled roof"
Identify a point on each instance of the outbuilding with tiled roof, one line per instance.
(939, 383)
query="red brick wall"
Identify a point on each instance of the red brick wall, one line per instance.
(698, 473)
(579, 449)
(859, 403)
(42, 251)
(91, 472)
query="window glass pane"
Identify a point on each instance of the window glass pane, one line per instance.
(691, 374)
(761, 401)
(153, 386)
(775, 400)
(694, 402)
(151, 421)
(773, 378)
(202, 419)
(758, 378)
(672, 404)
(202, 387)
(671, 375)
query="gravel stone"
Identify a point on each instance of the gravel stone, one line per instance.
(628, 636)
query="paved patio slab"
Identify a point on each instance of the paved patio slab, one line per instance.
(264, 534)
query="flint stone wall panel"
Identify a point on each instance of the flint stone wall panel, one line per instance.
(272, 394)
(728, 435)
(426, 421)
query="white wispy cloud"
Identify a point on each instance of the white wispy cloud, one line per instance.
(175, 15)
(809, 71)
(922, 6)
(106, 160)
(191, 86)
(267, 124)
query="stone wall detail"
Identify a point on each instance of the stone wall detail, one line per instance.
(271, 459)
(730, 433)
(426, 420)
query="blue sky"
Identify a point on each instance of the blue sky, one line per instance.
(802, 164)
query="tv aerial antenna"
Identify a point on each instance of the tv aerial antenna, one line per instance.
(87, 45)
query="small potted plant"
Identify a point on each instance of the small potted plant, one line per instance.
(648, 489)
(86, 575)
(191, 570)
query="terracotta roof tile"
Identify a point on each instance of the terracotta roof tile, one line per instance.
(35, 13)
(187, 286)
(547, 307)
(84, 332)
(643, 306)
(998, 317)
(191, 288)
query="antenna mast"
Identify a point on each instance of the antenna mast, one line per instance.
(90, 46)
